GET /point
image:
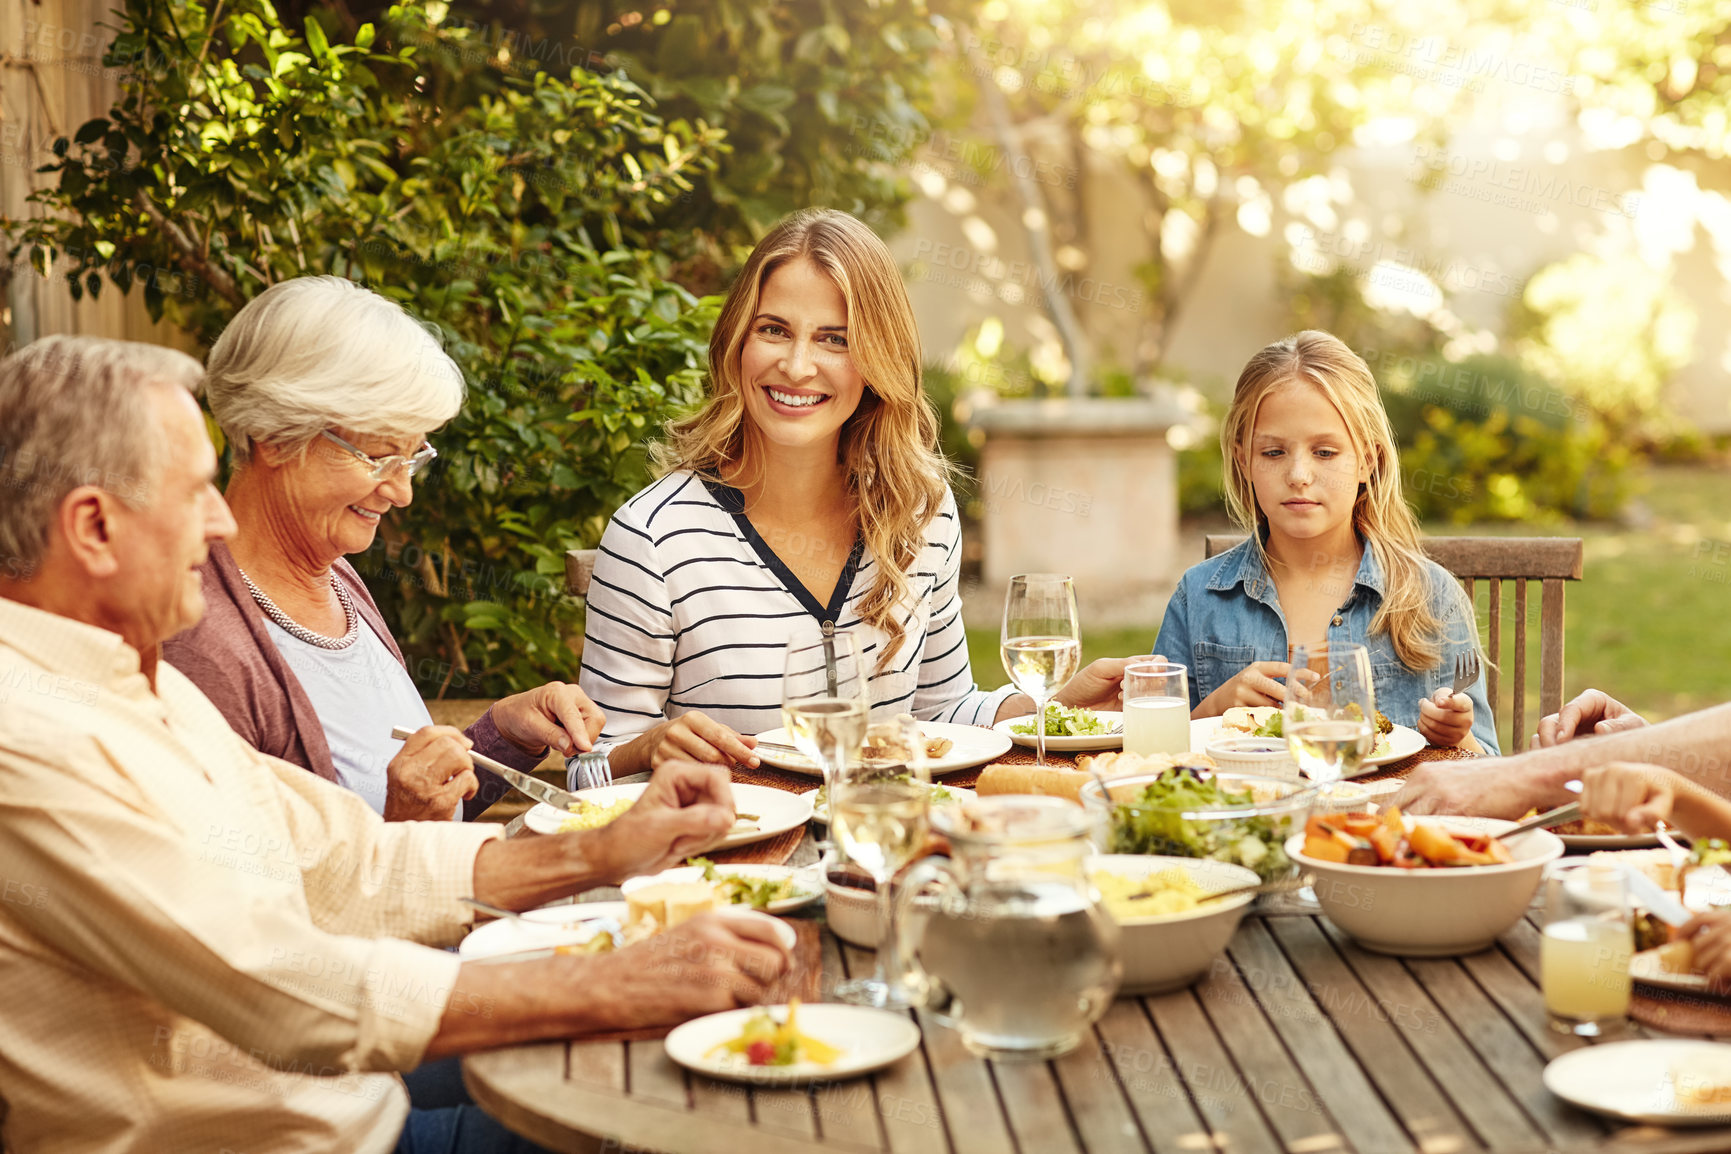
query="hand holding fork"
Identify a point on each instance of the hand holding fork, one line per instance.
(1446, 717)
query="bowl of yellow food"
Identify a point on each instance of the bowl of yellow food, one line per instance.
(1170, 931)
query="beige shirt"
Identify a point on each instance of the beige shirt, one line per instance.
(201, 947)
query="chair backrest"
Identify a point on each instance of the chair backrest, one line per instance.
(579, 567)
(1494, 560)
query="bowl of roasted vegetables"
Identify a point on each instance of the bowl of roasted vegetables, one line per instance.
(1421, 887)
(1242, 819)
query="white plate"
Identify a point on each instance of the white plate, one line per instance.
(1632, 1080)
(820, 809)
(974, 745)
(1078, 744)
(777, 810)
(571, 924)
(1403, 742)
(807, 883)
(1644, 967)
(869, 1040)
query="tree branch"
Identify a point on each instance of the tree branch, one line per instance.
(1076, 345)
(187, 252)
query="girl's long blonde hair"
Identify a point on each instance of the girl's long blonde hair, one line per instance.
(889, 446)
(1380, 516)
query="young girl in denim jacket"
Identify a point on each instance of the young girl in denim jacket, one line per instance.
(1333, 554)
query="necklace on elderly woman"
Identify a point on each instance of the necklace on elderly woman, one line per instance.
(351, 620)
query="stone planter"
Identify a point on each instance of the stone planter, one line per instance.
(1084, 486)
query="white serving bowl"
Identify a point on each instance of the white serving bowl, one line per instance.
(853, 914)
(1270, 756)
(1162, 954)
(1431, 913)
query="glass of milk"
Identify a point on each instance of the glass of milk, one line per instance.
(1156, 707)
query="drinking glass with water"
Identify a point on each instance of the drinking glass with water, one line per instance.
(1156, 707)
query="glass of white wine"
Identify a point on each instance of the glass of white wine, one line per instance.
(825, 699)
(1330, 711)
(878, 818)
(1041, 642)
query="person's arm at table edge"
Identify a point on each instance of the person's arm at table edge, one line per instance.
(715, 962)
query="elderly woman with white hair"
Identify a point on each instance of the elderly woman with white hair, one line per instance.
(326, 393)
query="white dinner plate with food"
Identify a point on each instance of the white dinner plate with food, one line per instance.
(969, 745)
(773, 811)
(1402, 742)
(571, 924)
(941, 795)
(778, 888)
(863, 1039)
(1113, 738)
(1662, 1082)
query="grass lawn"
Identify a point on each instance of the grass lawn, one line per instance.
(1649, 623)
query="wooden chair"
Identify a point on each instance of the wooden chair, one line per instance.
(579, 568)
(1494, 560)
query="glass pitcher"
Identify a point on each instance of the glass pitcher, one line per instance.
(1016, 952)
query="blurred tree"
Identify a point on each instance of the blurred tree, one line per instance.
(1223, 115)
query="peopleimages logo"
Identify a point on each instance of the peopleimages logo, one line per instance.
(1519, 186)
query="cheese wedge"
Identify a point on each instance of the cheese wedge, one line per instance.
(661, 907)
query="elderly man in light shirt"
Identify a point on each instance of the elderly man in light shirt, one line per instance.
(204, 948)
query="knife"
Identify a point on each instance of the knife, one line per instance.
(1663, 903)
(527, 783)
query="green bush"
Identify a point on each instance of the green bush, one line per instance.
(533, 215)
(1485, 440)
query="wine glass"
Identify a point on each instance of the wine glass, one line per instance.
(877, 813)
(1330, 711)
(825, 699)
(1041, 642)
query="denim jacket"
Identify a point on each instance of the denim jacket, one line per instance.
(1226, 615)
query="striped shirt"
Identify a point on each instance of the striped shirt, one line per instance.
(690, 609)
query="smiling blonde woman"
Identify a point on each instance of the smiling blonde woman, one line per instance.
(808, 489)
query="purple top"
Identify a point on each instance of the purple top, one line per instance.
(230, 656)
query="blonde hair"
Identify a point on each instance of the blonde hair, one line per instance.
(1380, 515)
(317, 352)
(889, 447)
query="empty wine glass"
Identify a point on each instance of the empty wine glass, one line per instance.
(1041, 641)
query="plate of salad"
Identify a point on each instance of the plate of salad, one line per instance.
(941, 795)
(1188, 813)
(793, 1044)
(1068, 730)
(774, 889)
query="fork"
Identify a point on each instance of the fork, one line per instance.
(1466, 672)
(588, 770)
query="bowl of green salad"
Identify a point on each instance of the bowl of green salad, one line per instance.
(1243, 819)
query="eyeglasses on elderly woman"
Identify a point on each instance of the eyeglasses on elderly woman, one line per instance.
(386, 468)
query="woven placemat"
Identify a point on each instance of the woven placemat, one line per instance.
(1679, 1012)
(803, 980)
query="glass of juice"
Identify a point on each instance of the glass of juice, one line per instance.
(1585, 951)
(1156, 707)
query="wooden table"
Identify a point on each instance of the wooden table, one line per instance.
(1297, 1041)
